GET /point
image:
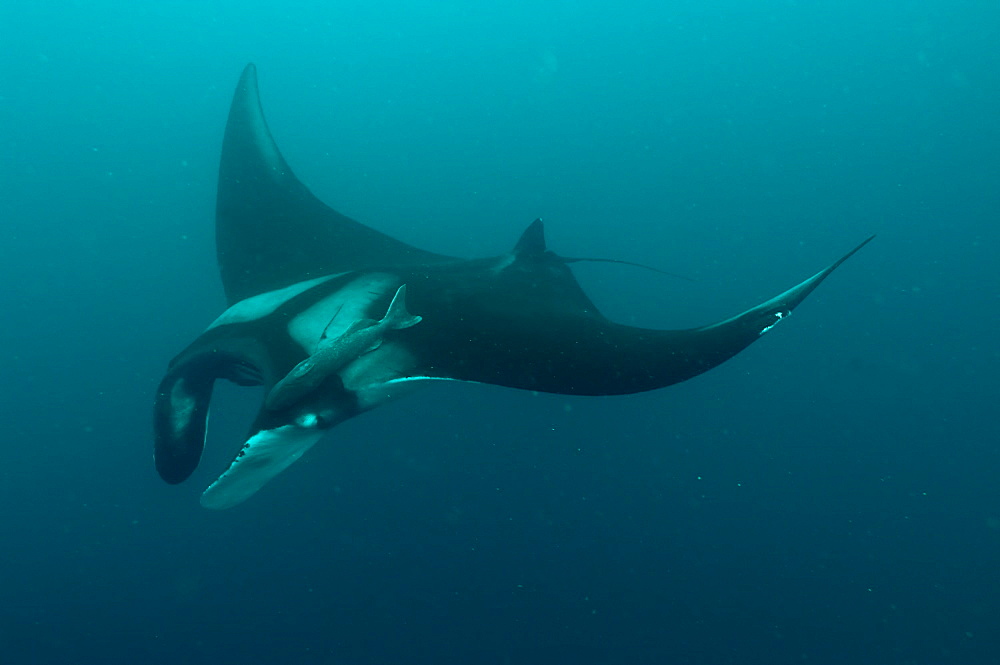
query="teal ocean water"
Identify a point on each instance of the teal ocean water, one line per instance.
(828, 496)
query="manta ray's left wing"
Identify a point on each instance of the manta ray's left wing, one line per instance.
(270, 230)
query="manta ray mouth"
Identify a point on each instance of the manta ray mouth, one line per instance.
(263, 456)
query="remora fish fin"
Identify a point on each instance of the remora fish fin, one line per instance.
(332, 320)
(397, 317)
(270, 229)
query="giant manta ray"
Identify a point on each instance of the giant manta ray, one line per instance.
(335, 318)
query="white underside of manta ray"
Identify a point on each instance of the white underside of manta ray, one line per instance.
(335, 318)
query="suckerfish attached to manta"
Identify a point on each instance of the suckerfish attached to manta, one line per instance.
(363, 336)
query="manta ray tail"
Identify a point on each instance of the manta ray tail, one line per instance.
(532, 244)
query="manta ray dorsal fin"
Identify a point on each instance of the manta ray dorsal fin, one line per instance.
(532, 241)
(270, 230)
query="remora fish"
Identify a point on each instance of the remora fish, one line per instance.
(364, 336)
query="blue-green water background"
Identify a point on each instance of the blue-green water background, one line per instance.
(829, 496)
